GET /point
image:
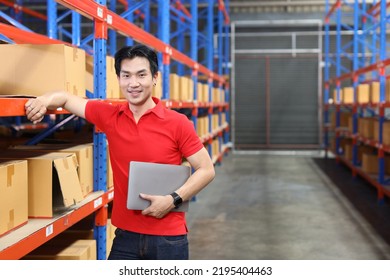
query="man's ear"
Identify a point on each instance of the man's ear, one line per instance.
(155, 77)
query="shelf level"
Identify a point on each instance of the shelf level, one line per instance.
(36, 232)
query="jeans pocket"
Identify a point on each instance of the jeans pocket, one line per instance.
(177, 240)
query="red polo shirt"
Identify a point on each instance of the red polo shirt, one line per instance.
(162, 136)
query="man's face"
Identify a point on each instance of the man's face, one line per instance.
(136, 80)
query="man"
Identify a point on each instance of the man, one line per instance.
(141, 130)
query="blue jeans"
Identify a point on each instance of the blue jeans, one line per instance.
(129, 245)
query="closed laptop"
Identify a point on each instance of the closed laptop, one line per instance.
(155, 179)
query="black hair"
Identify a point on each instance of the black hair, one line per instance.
(139, 50)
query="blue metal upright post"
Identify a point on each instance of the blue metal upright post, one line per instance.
(226, 70)
(210, 64)
(99, 139)
(326, 77)
(194, 54)
(356, 14)
(52, 28)
(130, 18)
(382, 83)
(164, 29)
(112, 36)
(338, 73)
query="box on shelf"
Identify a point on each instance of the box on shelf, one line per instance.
(205, 93)
(190, 90)
(385, 132)
(14, 194)
(367, 126)
(33, 70)
(344, 119)
(200, 95)
(84, 155)
(112, 86)
(370, 163)
(363, 93)
(81, 249)
(72, 235)
(347, 95)
(53, 182)
(374, 92)
(183, 89)
(174, 86)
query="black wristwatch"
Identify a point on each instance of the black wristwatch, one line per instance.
(177, 200)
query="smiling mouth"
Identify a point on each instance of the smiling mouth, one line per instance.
(133, 92)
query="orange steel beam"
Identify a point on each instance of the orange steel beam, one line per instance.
(221, 6)
(124, 2)
(93, 10)
(373, 8)
(181, 7)
(23, 9)
(11, 107)
(378, 12)
(334, 7)
(137, 12)
(26, 37)
(363, 70)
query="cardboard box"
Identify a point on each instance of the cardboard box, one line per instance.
(84, 155)
(190, 90)
(363, 93)
(344, 119)
(183, 88)
(347, 95)
(112, 85)
(174, 87)
(73, 235)
(370, 163)
(53, 182)
(374, 92)
(367, 126)
(361, 149)
(387, 90)
(34, 70)
(14, 196)
(385, 132)
(82, 249)
(205, 93)
(200, 95)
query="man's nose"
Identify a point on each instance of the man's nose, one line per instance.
(134, 82)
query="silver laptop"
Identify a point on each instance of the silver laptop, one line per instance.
(155, 179)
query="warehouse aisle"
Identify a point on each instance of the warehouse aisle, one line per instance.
(280, 206)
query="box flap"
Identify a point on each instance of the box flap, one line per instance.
(69, 181)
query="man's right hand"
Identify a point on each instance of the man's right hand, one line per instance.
(35, 109)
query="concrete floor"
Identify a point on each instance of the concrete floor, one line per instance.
(278, 207)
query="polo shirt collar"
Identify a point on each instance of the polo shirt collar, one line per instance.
(158, 110)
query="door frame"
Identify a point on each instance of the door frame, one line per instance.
(293, 51)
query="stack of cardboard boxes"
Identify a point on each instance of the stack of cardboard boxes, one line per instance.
(43, 181)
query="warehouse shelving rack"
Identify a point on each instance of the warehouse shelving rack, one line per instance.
(369, 33)
(108, 22)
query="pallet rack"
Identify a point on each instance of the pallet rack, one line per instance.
(369, 33)
(107, 24)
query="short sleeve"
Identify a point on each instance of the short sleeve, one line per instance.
(189, 142)
(99, 113)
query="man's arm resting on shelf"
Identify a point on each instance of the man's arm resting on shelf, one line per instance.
(36, 108)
